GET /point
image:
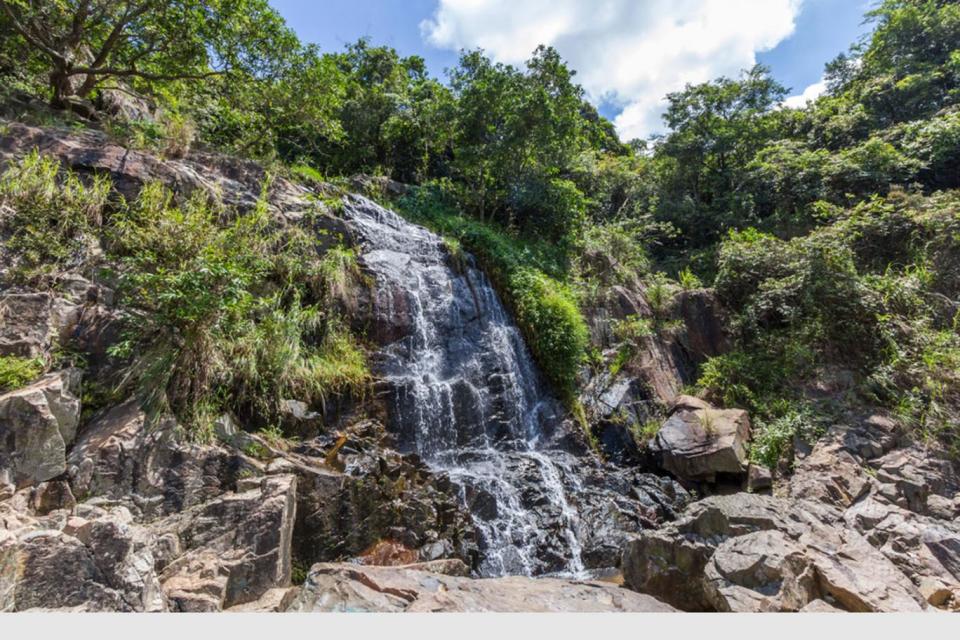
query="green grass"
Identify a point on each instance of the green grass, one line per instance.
(16, 372)
(52, 215)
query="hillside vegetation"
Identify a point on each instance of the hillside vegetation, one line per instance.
(831, 233)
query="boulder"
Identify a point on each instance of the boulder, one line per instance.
(749, 552)
(698, 444)
(234, 548)
(343, 587)
(37, 424)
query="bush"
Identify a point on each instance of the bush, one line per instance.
(48, 216)
(772, 439)
(218, 319)
(552, 324)
(17, 372)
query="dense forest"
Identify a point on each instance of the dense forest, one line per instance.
(831, 232)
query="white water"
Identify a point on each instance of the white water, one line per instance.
(466, 396)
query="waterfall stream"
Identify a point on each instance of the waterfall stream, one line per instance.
(465, 395)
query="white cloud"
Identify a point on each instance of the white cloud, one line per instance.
(627, 52)
(812, 92)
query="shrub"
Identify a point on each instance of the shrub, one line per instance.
(771, 439)
(50, 216)
(16, 372)
(552, 324)
(218, 319)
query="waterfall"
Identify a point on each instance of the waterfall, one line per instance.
(465, 395)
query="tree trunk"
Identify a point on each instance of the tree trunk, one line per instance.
(61, 87)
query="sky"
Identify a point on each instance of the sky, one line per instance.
(628, 53)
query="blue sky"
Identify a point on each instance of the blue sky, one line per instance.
(628, 53)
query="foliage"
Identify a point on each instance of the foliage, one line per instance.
(773, 438)
(84, 44)
(552, 324)
(219, 318)
(16, 372)
(47, 215)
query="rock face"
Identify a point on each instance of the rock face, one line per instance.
(758, 553)
(334, 587)
(235, 548)
(699, 443)
(37, 424)
(31, 322)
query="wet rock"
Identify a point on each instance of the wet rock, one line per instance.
(374, 495)
(613, 504)
(37, 424)
(699, 444)
(617, 408)
(333, 587)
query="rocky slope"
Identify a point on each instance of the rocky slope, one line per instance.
(108, 511)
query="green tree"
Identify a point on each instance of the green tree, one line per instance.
(84, 44)
(716, 128)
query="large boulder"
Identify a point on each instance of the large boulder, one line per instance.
(234, 549)
(697, 444)
(37, 424)
(341, 587)
(748, 552)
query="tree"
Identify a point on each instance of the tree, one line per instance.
(87, 43)
(517, 138)
(716, 129)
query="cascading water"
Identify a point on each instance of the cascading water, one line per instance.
(466, 397)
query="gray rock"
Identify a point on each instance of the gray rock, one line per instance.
(235, 548)
(31, 323)
(340, 587)
(748, 552)
(37, 424)
(699, 444)
(759, 478)
(122, 456)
